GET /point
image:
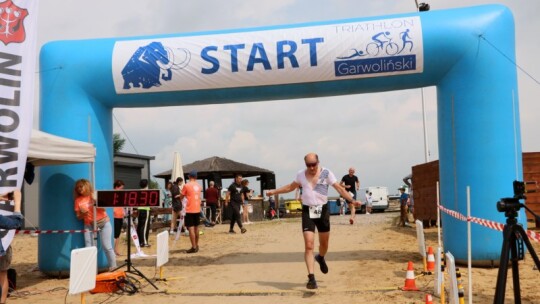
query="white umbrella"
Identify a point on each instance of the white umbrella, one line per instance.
(177, 170)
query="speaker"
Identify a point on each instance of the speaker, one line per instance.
(268, 181)
(216, 177)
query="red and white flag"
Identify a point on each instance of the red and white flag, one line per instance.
(18, 55)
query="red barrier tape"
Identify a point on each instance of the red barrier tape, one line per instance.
(490, 224)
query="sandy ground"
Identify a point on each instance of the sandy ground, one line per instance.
(367, 264)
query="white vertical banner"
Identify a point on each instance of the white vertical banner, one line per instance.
(18, 55)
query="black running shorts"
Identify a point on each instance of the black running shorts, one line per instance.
(322, 223)
(193, 219)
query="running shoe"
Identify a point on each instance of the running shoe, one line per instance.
(243, 230)
(232, 232)
(311, 284)
(192, 250)
(322, 263)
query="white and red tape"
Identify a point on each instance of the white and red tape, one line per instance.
(487, 223)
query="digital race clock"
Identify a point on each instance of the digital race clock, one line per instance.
(128, 198)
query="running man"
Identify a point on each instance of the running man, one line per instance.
(351, 184)
(405, 38)
(314, 181)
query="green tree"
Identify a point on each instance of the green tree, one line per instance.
(153, 184)
(118, 142)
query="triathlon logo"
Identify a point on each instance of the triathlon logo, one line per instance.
(152, 63)
(381, 55)
(11, 23)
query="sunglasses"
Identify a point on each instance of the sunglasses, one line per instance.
(309, 165)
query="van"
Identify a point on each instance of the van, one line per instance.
(379, 198)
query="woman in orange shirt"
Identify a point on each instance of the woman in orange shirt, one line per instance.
(84, 203)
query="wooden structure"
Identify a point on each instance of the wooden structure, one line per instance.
(424, 186)
(531, 173)
(426, 176)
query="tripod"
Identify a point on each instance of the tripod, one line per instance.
(130, 268)
(512, 249)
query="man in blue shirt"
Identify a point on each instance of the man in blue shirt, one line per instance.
(403, 205)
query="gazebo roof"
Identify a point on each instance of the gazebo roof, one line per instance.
(225, 167)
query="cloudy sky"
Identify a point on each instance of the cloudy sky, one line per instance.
(380, 134)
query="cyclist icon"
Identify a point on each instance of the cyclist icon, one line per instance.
(377, 39)
(378, 45)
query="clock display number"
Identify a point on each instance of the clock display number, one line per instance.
(128, 198)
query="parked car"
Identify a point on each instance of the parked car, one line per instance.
(293, 206)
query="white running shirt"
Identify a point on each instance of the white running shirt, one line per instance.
(318, 195)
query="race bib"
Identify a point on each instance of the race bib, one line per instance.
(315, 212)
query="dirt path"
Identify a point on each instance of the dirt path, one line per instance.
(367, 264)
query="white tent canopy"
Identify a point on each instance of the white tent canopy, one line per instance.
(47, 149)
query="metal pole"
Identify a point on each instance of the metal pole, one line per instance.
(426, 149)
(438, 217)
(93, 181)
(469, 245)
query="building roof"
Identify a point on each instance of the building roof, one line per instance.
(225, 167)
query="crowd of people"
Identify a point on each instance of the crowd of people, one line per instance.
(186, 202)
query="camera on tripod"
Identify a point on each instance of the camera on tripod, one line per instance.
(512, 203)
(515, 240)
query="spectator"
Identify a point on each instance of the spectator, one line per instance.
(176, 203)
(167, 201)
(408, 180)
(143, 219)
(369, 201)
(84, 210)
(13, 221)
(403, 206)
(234, 197)
(119, 214)
(246, 195)
(342, 206)
(192, 192)
(212, 197)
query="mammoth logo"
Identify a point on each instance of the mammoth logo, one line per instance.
(152, 63)
(11, 22)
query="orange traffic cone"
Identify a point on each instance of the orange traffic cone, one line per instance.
(429, 299)
(430, 260)
(410, 283)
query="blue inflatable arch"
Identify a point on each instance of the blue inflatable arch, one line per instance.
(458, 51)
